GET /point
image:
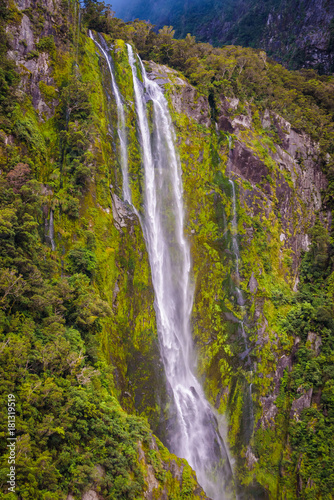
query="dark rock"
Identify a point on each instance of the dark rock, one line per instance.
(122, 212)
(315, 342)
(225, 124)
(301, 403)
(252, 284)
(283, 363)
(269, 412)
(246, 164)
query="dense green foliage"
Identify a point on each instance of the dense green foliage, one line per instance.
(8, 74)
(61, 340)
(50, 361)
(298, 447)
(311, 319)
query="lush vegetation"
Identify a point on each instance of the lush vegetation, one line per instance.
(303, 97)
(311, 321)
(62, 342)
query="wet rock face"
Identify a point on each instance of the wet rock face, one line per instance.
(269, 412)
(185, 98)
(293, 189)
(298, 158)
(244, 163)
(153, 487)
(301, 403)
(123, 216)
(196, 107)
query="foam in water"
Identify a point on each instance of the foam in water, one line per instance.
(195, 436)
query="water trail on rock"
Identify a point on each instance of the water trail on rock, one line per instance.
(51, 232)
(196, 436)
(241, 303)
(121, 123)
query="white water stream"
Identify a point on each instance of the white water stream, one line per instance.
(51, 232)
(120, 120)
(241, 302)
(195, 436)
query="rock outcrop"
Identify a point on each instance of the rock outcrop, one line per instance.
(32, 58)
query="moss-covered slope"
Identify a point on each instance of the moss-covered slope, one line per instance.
(78, 335)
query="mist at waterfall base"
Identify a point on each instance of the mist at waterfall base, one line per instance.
(195, 435)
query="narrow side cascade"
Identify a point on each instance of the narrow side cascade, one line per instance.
(51, 232)
(121, 131)
(241, 302)
(195, 436)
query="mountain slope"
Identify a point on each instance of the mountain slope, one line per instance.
(298, 33)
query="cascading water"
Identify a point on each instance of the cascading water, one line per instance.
(196, 436)
(241, 302)
(51, 233)
(235, 248)
(121, 131)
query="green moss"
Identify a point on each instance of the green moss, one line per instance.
(48, 92)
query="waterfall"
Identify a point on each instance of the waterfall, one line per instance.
(241, 303)
(196, 435)
(121, 130)
(51, 233)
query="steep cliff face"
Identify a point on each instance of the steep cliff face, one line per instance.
(305, 42)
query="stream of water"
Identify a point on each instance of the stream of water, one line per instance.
(51, 232)
(195, 435)
(248, 426)
(121, 123)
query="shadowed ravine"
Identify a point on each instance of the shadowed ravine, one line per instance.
(195, 435)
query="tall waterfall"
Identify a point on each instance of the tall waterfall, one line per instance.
(196, 436)
(120, 120)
